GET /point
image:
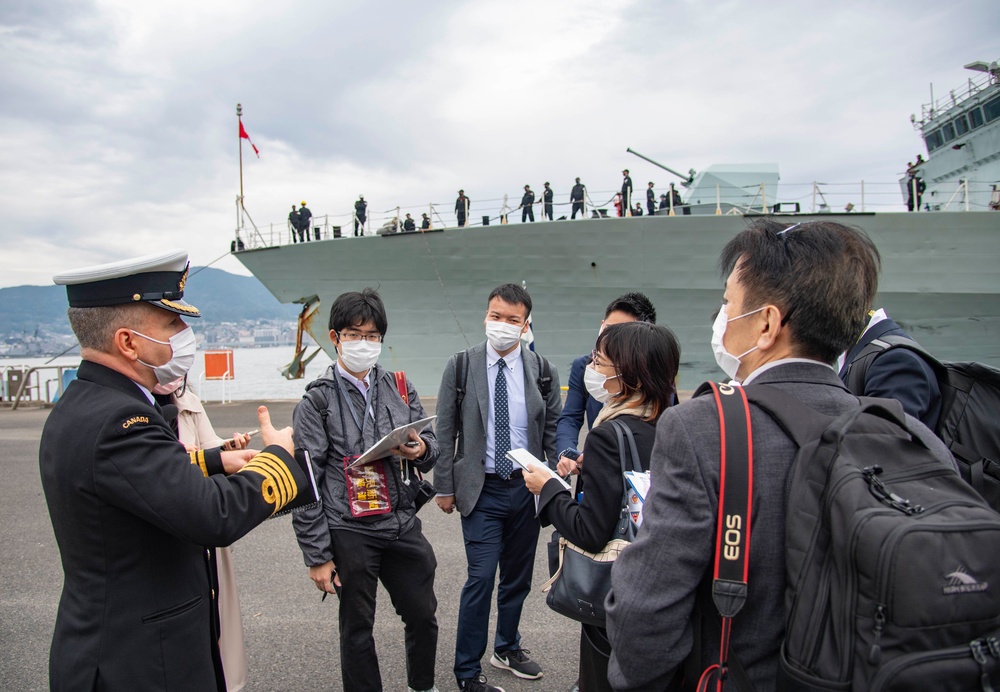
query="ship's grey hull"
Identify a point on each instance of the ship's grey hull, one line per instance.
(940, 280)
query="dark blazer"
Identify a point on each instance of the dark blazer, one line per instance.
(591, 522)
(460, 469)
(132, 514)
(899, 374)
(578, 402)
(654, 580)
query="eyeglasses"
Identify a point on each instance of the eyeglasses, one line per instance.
(355, 336)
(597, 363)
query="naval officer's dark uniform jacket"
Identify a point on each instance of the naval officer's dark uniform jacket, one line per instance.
(133, 514)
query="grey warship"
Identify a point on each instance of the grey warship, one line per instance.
(940, 265)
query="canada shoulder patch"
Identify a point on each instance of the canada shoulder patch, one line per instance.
(129, 423)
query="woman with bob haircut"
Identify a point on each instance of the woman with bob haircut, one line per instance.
(633, 371)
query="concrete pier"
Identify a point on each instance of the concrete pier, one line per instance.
(291, 637)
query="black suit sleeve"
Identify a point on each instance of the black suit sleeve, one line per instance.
(903, 375)
(591, 523)
(140, 467)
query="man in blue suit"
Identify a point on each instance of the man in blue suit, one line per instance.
(893, 374)
(506, 405)
(631, 307)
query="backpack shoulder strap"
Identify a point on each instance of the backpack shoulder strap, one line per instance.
(400, 377)
(800, 422)
(461, 378)
(857, 369)
(316, 398)
(544, 375)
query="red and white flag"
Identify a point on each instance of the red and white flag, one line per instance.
(244, 135)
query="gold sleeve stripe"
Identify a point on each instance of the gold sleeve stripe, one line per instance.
(198, 458)
(281, 472)
(279, 487)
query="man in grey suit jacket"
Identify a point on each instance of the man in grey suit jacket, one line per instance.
(503, 409)
(795, 299)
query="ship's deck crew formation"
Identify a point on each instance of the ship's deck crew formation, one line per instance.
(367, 530)
(509, 400)
(632, 372)
(134, 514)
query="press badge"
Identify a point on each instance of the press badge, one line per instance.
(367, 488)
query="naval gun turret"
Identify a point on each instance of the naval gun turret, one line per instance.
(686, 180)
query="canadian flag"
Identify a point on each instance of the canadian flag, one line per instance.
(244, 135)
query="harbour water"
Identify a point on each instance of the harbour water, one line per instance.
(257, 374)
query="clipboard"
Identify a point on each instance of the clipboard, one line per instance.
(380, 449)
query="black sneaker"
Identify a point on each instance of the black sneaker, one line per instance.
(517, 662)
(477, 684)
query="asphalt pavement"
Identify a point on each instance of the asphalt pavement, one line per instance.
(291, 637)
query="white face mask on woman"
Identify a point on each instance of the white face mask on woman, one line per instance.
(729, 363)
(502, 335)
(183, 345)
(359, 356)
(594, 382)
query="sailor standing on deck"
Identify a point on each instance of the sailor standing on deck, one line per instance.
(133, 512)
(626, 192)
(650, 199)
(360, 215)
(547, 200)
(527, 202)
(305, 217)
(293, 223)
(576, 197)
(461, 208)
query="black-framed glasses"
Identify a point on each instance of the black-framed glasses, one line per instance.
(357, 336)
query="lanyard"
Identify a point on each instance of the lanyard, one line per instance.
(345, 398)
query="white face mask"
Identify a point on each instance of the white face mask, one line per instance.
(594, 382)
(502, 335)
(183, 345)
(729, 363)
(359, 356)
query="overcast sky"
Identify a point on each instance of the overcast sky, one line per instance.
(118, 133)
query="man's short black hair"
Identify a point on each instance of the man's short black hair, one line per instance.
(352, 309)
(821, 275)
(635, 304)
(512, 294)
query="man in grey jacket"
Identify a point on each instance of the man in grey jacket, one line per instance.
(507, 405)
(367, 530)
(795, 299)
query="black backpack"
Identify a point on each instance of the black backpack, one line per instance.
(893, 572)
(970, 410)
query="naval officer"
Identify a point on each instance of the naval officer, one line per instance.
(133, 512)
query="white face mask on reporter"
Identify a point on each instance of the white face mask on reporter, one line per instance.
(183, 345)
(729, 363)
(594, 382)
(359, 356)
(502, 335)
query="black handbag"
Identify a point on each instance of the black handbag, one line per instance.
(582, 579)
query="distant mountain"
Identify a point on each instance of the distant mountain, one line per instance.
(221, 297)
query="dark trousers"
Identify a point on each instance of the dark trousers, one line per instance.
(501, 530)
(547, 214)
(461, 219)
(577, 207)
(405, 567)
(595, 653)
(303, 234)
(358, 222)
(527, 213)
(651, 207)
